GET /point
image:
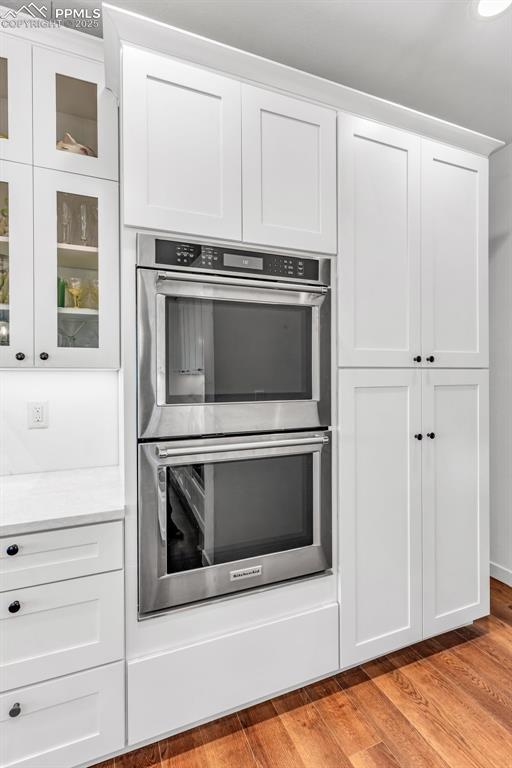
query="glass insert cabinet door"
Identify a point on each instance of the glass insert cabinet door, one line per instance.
(15, 100)
(75, 117)
(16, 288)
(76, 271)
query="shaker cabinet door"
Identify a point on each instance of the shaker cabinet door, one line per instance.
(181, 147)
(288, 172)
(455, 499)
(76, 271)
(454, 257)
(380, 512)
(379, 265)
(16, 264)
(15, 99)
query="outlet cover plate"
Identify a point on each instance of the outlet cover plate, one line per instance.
(37, 415)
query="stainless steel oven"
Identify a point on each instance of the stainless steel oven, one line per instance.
(220, 515)
(230, 341)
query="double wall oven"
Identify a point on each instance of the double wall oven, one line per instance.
(233, 413)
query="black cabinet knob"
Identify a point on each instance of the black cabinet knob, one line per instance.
(20, 355)
(12, 549)
(14, 606)
(430, 359)
(15, 710)
(44, 355)
(431, 435)
(417, 359)
(419, 436)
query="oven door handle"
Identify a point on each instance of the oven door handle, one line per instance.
(165, 453)
(162, 503)
(245, 283)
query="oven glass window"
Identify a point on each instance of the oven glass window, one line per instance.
(228, 351)
(226, 511)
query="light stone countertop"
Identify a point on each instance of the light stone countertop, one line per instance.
(49, 500)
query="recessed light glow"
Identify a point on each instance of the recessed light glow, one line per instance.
(489, 8)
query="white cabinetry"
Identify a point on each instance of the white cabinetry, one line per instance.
(63, 722)
(455, 479)
(195, 144)
(379, 269)
(16, 265)
(288, 172)
(380, 505)
(413, 512)
(413, 251)
(454, 252)
(71, 104)
(181, 147)
(15, 100)
(76, 271)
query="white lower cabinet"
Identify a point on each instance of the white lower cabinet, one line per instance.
(63, 722)
(413, 478)
(56, 629)
(455, 477)
(380, 512)
(176, 689)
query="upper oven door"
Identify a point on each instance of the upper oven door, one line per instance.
(230, 355)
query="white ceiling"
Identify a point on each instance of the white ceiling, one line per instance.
(435, 56)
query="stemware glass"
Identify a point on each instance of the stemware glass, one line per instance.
(67, 219)
(83, 223)
(75, 289)
(94, 289)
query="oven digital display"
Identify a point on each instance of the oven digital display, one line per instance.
(238, 260)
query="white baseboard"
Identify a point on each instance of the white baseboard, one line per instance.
(501, 573)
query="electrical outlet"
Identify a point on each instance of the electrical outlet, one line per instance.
(37, 415)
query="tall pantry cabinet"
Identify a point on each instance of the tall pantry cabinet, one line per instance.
(413, 388)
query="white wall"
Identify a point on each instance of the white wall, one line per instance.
(501, 363)
(83, 420)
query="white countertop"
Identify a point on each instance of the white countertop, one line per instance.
(49, 500)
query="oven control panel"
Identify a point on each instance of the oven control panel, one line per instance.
(169, 253)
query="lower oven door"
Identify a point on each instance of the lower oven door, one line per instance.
(218, 516)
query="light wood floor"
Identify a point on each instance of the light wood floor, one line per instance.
(444, 703)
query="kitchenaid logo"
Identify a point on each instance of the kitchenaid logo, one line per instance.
(245, 573)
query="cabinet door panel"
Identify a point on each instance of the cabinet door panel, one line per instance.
(181, 147)
(16, 265)
(380, 512)
(288, 172)
(71, 104)
(15, 100)
(379, 270)
(76, 225)
(454, 257)
(455, 499)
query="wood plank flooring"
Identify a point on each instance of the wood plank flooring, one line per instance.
(443, 703)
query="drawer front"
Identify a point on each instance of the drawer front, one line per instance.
(56, 555)
(56, 629)
(64, 722)
(206, 679)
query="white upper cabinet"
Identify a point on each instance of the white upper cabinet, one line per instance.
(455, 499)
(16, 265)
(380, 512)
(454, 257)
(15, 100)
(379, 269)
(288, 171)
(75, 117)
(181, 147)
(76, 271)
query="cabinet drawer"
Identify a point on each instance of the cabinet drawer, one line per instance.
(64, 722)
(60, 628)
(56, 555)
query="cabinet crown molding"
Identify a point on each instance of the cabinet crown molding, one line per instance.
(121, 26)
